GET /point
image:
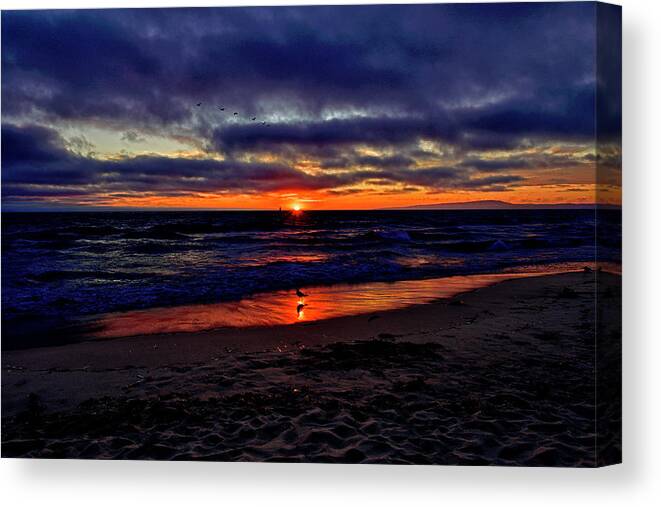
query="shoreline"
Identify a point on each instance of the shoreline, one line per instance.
(502, 340)
(283, 307)
(255, 336)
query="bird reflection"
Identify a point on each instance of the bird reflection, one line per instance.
(300, 304)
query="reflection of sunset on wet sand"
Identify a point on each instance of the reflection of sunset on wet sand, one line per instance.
(285, 307)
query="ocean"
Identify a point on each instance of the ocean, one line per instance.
(59, 267)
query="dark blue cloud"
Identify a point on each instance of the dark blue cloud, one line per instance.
(52, 171)
(153, 64)
(52, 165)
(32, 143)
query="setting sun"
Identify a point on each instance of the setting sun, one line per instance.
(296, 207)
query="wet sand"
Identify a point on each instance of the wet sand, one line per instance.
(501, 375)
(296, 307)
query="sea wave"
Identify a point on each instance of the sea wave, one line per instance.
(84, 263)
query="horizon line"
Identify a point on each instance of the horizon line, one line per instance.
(414, 207)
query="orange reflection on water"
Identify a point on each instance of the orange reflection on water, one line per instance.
(285, 307)
(282, 258)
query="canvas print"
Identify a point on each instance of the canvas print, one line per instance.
(385, 234)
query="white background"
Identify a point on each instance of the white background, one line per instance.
(636, 482)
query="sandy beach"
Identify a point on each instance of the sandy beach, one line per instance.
(503, 375)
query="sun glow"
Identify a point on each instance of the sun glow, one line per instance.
(296, 206)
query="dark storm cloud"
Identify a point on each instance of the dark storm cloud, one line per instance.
(351, 160)
(36, 164)
(52, 165)
(489, 181)
(441, 178)
(33, 143)
(327, 79)
(531, 162)
(154, 64)
(132, 136)
(500, 127)
(496, 164)
(319, 134)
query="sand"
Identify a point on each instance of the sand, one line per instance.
(501, 375)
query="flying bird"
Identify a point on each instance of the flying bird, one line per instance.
(253, 118)
(221, 108)
(235, 113)
(300, 294)
(199, 104)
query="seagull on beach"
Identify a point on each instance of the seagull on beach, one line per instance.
(300, 294)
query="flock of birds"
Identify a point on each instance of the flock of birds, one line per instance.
(235, 113)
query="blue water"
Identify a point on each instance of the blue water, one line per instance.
(58, 266)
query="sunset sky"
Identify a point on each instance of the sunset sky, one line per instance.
(354, 107)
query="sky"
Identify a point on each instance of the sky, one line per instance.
(354, 107)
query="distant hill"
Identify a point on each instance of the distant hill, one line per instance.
(498, 205)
